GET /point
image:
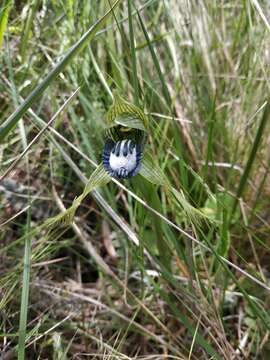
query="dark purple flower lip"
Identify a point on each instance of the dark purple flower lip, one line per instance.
(122, 159)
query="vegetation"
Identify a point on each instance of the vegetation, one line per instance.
(173, 263)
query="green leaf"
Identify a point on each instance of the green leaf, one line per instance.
(13, 119)
(25, 288)
(6, 6)
(252, 156)
(26, 33)
(133, 56)
(165, 89)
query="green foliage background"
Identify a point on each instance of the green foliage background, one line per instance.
(173, 264)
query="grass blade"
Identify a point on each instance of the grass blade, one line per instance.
(25, 289)
(4, 19)
(27, 29)
(165, 90)
(133, 56)
(252, 156)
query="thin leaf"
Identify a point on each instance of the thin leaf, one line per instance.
(165, 90)
(4, 19)
(27, 29)
(252, 157)
(25, 289)
(133, 56)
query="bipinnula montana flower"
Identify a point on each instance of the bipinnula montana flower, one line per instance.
(125, 139)
(122, 159)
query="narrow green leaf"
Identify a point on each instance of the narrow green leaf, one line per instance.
(133, 56)
(165, 90)
(25, 289)
(4, 12)
(26, 33)
(70, 6)
(252, 157)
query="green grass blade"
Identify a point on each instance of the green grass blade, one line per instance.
(27, 29)
(4, 19)
(8, 125)
(252, 156)
(165, 90)
(25, 289)
(133, 56)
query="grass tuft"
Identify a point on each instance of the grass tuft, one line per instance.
(173, 263)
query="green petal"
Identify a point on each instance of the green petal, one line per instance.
(122, 107)
(154, 175)
(97, 179)
(151, 172)
(130, 121)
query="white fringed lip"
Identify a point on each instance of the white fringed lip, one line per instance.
(122, 159)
